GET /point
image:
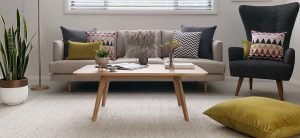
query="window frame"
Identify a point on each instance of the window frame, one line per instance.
(138, 12)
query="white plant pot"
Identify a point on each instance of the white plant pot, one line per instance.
(13, 92)
(13, 96)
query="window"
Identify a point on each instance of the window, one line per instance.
(141, 6)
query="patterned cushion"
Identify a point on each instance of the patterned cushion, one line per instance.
(267, 45)
(189, 42)
(108, 40)
(140, 44)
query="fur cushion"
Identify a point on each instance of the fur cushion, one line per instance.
(140, 44)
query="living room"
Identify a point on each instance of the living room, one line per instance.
(62, 98)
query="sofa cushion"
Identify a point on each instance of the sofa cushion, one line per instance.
(208, 65)
(205, 45)
(135, 60)
(120, 50)
(68, 66)
(166, 35)
(82, 51)
(72, 35)
(189, 44)
(140, 44)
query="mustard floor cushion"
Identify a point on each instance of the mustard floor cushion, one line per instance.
(258, 117)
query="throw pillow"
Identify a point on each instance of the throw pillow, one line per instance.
(206, 40)
(258, 116)
(267, 45)
(140, 44)
(72, 35)
(246, 46)
(82, 51)
(189, 44)
(108, 40)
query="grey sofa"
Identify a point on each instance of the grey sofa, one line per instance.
(62, 70)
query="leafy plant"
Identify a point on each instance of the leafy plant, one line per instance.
(102, 53)
(15, 49)
(171, 45)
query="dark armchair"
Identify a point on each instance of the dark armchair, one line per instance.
(280, 18)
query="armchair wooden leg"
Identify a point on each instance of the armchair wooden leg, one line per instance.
(251, 83)
(69, 86)
(280, 89)
(239, 86)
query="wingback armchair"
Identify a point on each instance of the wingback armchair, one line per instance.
(272, 19)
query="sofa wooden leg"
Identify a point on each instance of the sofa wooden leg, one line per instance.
(251, 83)
(69, 86)
(280, 89)
(239, 86)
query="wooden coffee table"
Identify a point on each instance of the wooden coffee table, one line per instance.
(153, 72)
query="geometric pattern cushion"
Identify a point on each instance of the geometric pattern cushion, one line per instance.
(108, 40)
(267, 45)
(189, 44)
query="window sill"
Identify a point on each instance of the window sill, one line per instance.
(140, 12)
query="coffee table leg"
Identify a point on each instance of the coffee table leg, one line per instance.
(182, 97)
(177, 92)
(98, 98)
(105, 92)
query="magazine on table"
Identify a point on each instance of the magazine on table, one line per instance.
(128, 66)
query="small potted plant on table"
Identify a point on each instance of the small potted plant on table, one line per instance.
(102, 58)
(14, 49)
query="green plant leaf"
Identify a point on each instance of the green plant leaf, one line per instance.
(25, 28)
(2, 71)
(15, 49)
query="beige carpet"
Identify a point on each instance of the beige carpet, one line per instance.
(131, 114)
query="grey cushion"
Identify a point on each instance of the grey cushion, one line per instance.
(135, 60)
(210, 66)
(120, 50)
(73, 35)
(205, 45)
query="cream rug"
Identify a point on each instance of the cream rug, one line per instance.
(125, 115)
(131, 112)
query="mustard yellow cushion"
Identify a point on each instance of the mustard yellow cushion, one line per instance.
(82, 51)
(247, 46)
(258, 117)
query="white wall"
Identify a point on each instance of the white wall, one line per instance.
(230, 28)
(295, 43)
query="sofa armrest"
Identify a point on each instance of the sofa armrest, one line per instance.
(217, 50)
(235, 53)
(58, 50)
(289, 56)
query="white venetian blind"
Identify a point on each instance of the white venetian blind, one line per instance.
(142, 4)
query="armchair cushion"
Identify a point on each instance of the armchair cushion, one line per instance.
(267, 45)
(264, 69)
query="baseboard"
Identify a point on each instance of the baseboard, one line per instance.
(35, 78)
(295, 82)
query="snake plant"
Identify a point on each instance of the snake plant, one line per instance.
(15, 48)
